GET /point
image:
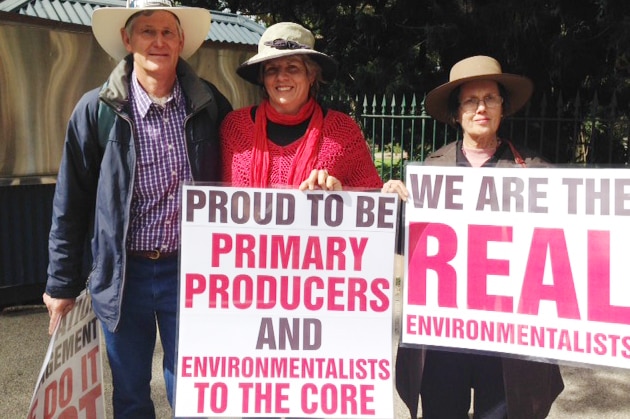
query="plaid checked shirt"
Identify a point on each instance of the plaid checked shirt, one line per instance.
(162, 166)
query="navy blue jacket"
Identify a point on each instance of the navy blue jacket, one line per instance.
(95, 183)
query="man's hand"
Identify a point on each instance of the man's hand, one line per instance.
(57, 308)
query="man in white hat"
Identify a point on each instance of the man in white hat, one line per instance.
(128, 148)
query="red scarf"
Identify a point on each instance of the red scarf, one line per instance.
(305, 158)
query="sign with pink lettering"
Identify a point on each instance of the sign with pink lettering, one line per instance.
(70, 383)
(285, 305)
(526, 262)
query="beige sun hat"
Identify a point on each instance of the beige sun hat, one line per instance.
(480, 67)
(107, 22)
(282, 39)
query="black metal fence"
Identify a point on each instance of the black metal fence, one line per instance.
(573, 132)
(25, 218)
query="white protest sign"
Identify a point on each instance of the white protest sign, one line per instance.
(70, 381)
(285, 304)
(528, 262)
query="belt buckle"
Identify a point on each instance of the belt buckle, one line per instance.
(154, 254)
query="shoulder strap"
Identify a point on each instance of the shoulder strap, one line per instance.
(517, 156)
(213, 109)
(105, 121)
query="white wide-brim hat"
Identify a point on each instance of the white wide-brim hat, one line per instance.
(283, 39)
(107, 22)
(480, 67)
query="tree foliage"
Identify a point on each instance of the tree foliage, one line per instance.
(403, 46)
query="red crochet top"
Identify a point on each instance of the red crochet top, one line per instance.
(343, 152)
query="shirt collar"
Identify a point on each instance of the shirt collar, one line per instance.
(144, 102)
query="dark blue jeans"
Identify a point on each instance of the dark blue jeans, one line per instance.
(149, 303)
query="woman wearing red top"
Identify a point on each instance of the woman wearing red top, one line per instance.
(289, 139)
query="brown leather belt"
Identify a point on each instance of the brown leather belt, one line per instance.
(152, 254)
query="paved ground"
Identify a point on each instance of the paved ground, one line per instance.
(590, 393)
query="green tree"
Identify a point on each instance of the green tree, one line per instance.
(403, 46)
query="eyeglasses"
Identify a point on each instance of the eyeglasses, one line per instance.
(471, 105)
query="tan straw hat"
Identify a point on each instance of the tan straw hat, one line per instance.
(480, 67)
(282, 39)
(107, 22)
